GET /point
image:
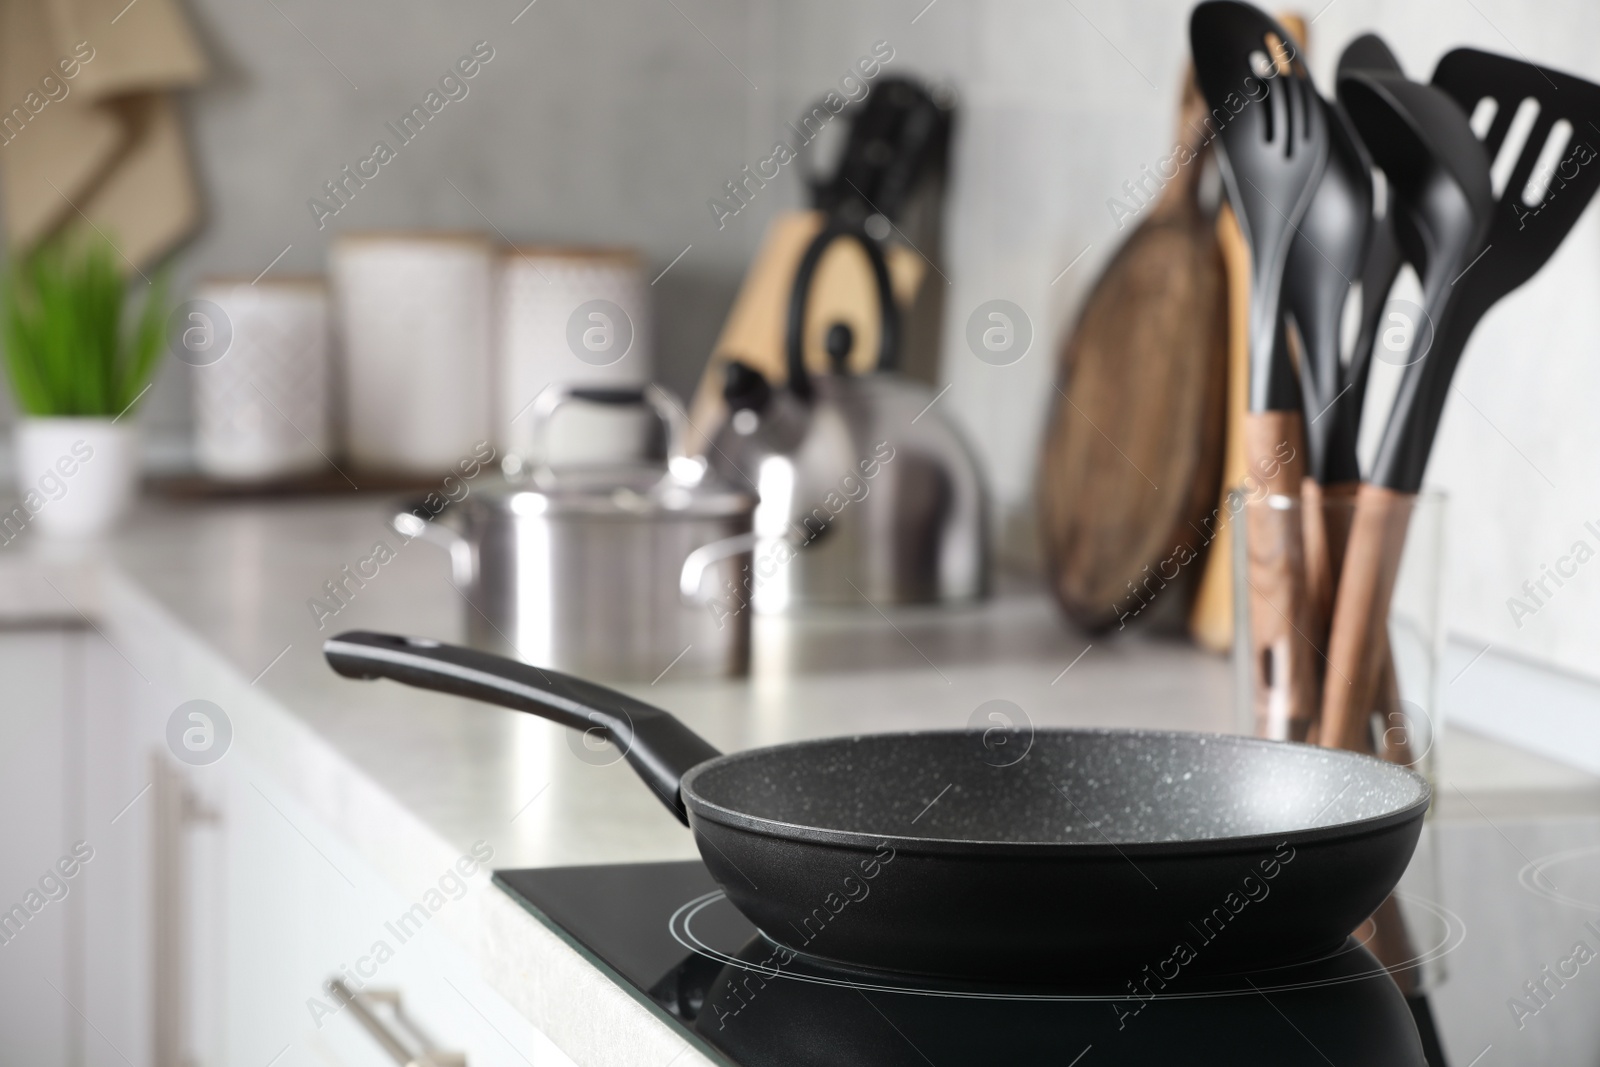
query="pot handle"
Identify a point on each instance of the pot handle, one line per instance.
(696, 563)
(702, 559)
(659, 747)
(463, 553)
(667, 408)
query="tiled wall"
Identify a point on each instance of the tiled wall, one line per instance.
(1064, 101)
(615, 121)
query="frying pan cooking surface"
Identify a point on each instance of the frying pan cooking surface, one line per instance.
(1078, 787)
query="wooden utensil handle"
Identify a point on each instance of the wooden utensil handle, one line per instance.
(1358, 637)
(1328, 511)
(1283, 658)
(1212, 620)
(1393, 726)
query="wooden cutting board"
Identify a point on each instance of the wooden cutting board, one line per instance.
(842, 291)
(1211, 618)
(1132, 457)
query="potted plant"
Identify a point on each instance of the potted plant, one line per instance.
(78, 360)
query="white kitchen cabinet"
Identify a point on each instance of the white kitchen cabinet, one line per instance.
(265, 903)
(300, 906)
(77, 726)
(74, 851)
(40, 792)
(122, 700)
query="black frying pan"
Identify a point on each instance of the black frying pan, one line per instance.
(1061, 856)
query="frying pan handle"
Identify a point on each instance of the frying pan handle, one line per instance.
(659, 747)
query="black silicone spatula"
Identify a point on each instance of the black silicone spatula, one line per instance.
(1325, 258)
(1524, 233)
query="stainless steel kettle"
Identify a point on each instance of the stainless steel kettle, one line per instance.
(865, 491)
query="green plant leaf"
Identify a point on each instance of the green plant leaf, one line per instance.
(70, 347)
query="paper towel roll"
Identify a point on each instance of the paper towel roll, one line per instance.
(575, 315)
(414, 313)
(261, 409)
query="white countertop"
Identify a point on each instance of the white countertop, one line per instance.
(241, 575)
(210, 601)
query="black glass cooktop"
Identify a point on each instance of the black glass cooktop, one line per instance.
(667, 931)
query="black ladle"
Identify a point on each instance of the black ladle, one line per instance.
(1329, 249)
(1384, 258)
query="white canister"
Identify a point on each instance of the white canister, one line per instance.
(262, 408)
(414, 314)
(75, 476)
(577, 316)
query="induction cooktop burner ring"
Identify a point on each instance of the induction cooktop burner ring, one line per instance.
(1535, 877)
(680, 925)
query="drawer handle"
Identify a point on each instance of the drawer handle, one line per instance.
(403, 1054)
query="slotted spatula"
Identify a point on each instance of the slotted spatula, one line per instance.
(1521, 237)
(1274, 147)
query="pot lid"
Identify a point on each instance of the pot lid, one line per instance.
(631, 491)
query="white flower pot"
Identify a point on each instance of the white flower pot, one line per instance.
(75, 477)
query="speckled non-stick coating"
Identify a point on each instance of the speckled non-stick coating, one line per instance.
(1088, 787)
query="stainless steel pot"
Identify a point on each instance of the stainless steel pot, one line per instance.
(594, 570)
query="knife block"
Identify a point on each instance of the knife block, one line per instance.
(842, 291)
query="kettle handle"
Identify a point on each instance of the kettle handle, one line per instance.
(889, 312)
